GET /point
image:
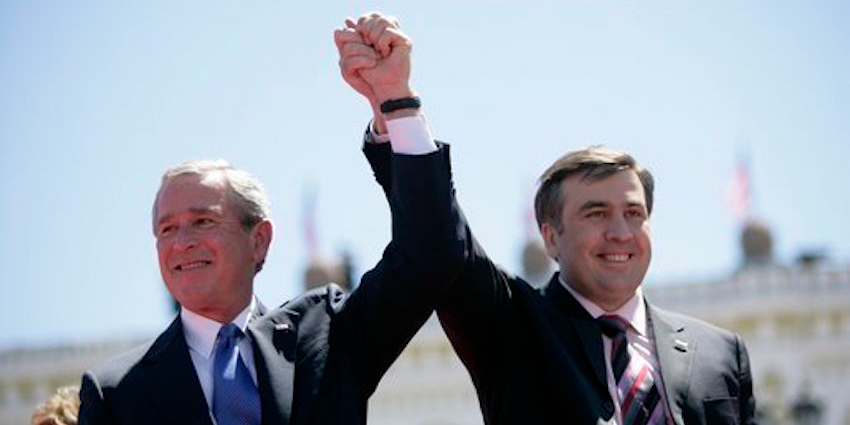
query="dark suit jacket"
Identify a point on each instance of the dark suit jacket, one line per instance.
(535, 356)
(319, 356)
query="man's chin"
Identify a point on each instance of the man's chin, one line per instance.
(189, 295)
(620, 283)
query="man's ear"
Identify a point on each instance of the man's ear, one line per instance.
(550, 233)
(261, 237)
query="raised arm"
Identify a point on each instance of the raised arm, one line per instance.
(426, 253)
(473, 304)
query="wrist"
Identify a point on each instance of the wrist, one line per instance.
(378, 122)
(400, 107)
(385, 93)
(400, 113)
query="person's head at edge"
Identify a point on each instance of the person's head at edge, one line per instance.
(61, 408)
(592, 208)
(213, 229)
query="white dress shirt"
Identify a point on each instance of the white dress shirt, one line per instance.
(201, 334)
(639, 336)
(407, 135)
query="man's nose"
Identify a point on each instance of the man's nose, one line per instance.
(186, 238)
(619, 230)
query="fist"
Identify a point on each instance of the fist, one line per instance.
(374, 57)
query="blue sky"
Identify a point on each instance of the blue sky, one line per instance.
(97, 98)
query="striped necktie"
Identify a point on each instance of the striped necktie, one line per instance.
(636, 389)
(236, 400)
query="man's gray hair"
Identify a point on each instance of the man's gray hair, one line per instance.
(245, 190)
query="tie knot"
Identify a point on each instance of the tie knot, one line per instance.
(229, 333)
(612, 325)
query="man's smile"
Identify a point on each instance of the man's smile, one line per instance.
(192, 265)
(615, 258)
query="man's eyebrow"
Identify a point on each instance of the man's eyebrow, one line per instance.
(592, 204)
(193, 210)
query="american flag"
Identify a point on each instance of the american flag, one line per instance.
(740, 191)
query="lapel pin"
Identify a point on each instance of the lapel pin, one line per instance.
(680, 345)
(283, 327)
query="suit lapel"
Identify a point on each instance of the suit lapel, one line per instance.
(170, 379)
(675, 350)
(274, 353)
(585, 327)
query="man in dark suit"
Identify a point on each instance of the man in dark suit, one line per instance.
(588, 347)
(317, 358)
(550, 356)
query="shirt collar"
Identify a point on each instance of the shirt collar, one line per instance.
(201, 331)
(633, 311)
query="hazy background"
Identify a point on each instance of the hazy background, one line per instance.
(97, 98)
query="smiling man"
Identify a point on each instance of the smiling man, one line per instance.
(316, 359)
(210, 239)
(588, 347)
(226, 359)
(593, 213)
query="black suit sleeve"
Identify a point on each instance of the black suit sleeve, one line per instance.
(746, 400)
(475, 309)
(92, 409)
(424, 257)
(473, 305)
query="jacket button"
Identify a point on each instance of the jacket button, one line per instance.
(607, 408)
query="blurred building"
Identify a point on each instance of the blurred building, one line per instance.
(320, 272)
(427, 385)
(537, 266)
(795, 319)
(28, 376)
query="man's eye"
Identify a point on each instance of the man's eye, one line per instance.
(596, 214)
(204, 222)
(166, 230)
(634, 214)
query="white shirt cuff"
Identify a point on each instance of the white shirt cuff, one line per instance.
(410, 136)
(375, 137)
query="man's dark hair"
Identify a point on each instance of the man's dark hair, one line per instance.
(593, 163)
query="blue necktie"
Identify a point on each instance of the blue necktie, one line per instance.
(236, 400)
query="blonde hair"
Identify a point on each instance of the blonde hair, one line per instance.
(62, 408)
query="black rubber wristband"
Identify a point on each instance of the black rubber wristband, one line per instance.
(393, 105)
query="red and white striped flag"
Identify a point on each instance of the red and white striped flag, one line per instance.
(740, 190)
